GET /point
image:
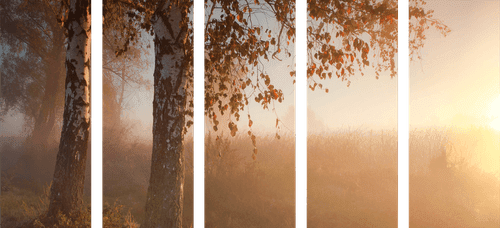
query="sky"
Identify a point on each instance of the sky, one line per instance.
(456, 83)
(458, 78)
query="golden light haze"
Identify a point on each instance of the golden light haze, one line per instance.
(495, 112)
(456, 85)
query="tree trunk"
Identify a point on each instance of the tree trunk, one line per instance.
(36, 156)
(37, 159)
(66, 194)
(45, 120)
(34, 161)
(164, 203)
(122, 94)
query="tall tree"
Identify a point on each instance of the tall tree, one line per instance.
(172, 71)
(35, 40)
(235, 44)
(38, 32)
(33, 71)
(66, 193)
(122, 75)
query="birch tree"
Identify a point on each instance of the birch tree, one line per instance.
(234, 39)
(66, 193)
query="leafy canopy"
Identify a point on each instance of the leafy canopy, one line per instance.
(30, 37)
(344, 37)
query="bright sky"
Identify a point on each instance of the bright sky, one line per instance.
(458, 78)
(457, 81)
(457, 84)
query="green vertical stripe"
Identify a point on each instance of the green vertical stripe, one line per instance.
(96, 115)
(403, 117)
(300, 143)
(199, 180)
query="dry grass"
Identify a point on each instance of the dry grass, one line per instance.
(352, 182)
(461, 193)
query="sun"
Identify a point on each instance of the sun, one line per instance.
(495, 113)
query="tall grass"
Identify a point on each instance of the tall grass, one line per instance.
(352, 181)
(465, 191)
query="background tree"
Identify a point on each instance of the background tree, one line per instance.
(33, 81)
(341, 35)
(37, 36)
(67, 187)
(36, 39)
(34, 64)
(122, 73)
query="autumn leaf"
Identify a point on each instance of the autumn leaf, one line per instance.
(230, 39)
(233, 128)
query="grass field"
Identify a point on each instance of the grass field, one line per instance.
(352, 181)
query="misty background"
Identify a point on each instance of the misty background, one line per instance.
(453, 86)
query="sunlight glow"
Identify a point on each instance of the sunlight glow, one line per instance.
(495, 112)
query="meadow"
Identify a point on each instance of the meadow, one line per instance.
(352, 180)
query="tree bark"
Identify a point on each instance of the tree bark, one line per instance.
(164, 203)
(66, 194)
